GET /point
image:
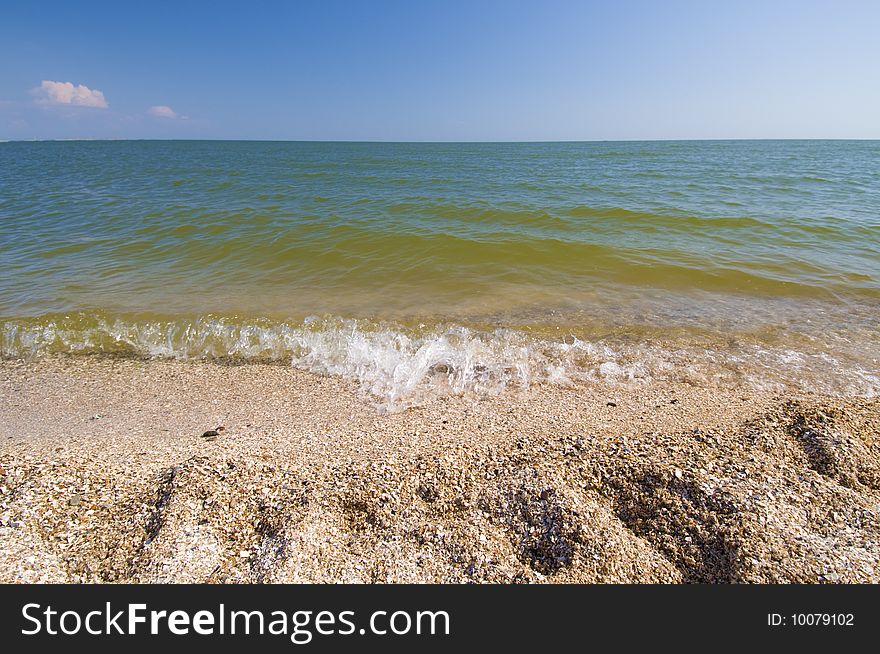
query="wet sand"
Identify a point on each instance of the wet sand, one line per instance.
(105, 476)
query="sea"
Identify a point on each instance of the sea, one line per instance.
(418, 269)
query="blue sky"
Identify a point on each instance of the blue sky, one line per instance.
(459, 71)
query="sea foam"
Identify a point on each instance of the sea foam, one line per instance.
(398, 366)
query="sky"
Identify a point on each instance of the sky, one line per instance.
(479, 70)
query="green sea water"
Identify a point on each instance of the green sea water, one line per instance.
(470, 267)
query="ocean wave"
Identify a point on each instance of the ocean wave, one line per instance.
(398, 366)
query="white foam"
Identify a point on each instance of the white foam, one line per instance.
(398, 366)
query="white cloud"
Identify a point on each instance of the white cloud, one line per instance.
(65, 93)
(163, 111)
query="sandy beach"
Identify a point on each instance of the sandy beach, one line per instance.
(106, 477)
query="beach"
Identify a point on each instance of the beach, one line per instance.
(107, 476)
(249, 361)
(428, 325)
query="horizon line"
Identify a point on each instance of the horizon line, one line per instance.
(436, 142)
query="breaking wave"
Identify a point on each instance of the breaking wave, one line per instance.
(398, 366)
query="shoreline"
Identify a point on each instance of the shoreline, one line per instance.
(106, 477)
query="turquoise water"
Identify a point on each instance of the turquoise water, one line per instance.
(517, 263)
